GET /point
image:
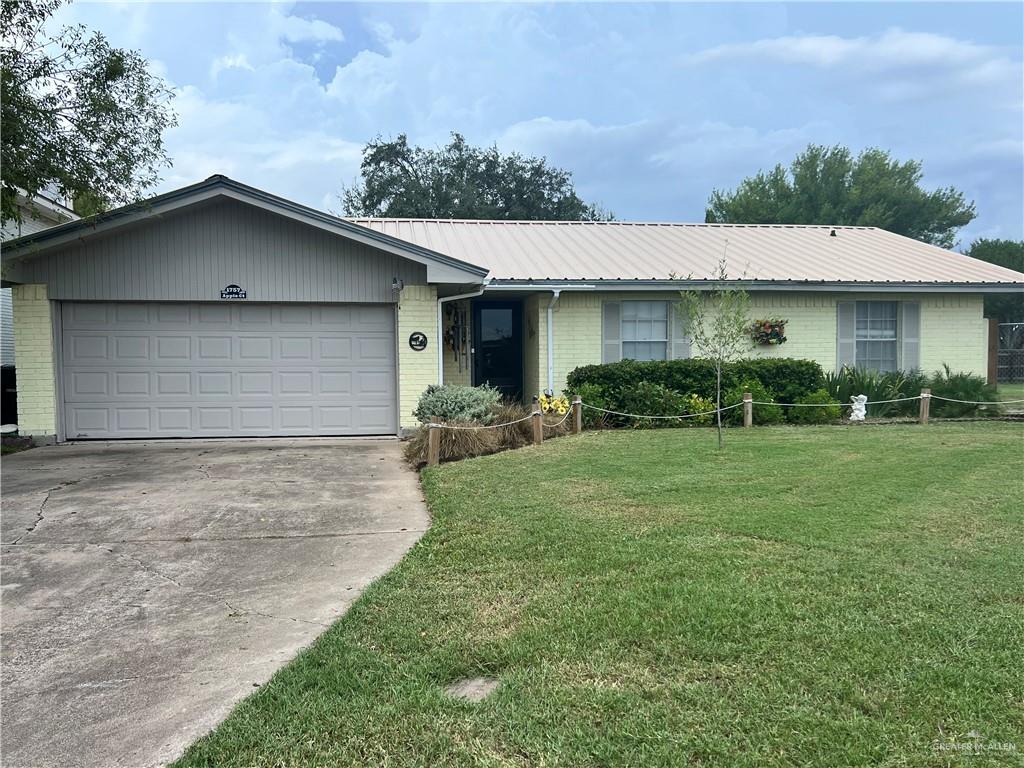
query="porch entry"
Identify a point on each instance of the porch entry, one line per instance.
(498, 346)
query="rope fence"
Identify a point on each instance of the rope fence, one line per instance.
(575, 413)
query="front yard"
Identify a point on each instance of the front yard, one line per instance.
(817, 596)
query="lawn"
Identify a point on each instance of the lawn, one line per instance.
(820, 596)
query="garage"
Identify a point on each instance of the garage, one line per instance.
(168, 369)
(219, 310)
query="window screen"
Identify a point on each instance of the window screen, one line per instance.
(877, 335)
(645, 330)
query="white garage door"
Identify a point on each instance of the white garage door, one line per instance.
(230, 369)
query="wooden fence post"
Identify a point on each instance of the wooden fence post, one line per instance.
(538, 423)
(433, 443)
(577, 415)
(748, 409)
(926, 401)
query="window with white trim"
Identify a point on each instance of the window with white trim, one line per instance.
(645, 330)
(877, 335)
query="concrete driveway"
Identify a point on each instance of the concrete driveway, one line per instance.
(148, 587)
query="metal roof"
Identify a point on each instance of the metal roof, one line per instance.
(559, 250)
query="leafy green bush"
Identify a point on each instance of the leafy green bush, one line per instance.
(453, 403)
(829, 411)
(876, 385)
(961, 386)
(594, 394)
(702, 405)
(763, 414)
(787, 378)
(900, 384)
(649, 399)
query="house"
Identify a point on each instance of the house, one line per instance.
(222, 310)
(37, 213)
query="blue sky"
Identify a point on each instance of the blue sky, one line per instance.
(650, 106)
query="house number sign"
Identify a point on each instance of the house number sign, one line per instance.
(418, 341)
(232, 292)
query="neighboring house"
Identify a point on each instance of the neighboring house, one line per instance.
(221, 310)
(37, 213)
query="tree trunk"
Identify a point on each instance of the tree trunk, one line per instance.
(718, 400)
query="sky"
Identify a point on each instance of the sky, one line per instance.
(650, 106)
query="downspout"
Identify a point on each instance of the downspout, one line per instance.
(440, 326)
(555, 292)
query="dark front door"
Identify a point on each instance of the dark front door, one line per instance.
(498, 346)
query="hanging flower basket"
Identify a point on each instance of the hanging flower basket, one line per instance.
(771, 331)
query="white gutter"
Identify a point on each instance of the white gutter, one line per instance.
(440, 326)
(551, 339)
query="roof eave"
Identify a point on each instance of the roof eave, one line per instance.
(764, 285)
(221, 186)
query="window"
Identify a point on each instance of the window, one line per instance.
(877, 335)
(645, 330)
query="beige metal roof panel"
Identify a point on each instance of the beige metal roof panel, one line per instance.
(528, 250)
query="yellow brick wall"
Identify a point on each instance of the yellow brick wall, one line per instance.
(953, 329)
(417, 311)
(33, 351)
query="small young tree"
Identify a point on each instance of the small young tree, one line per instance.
(719, 326)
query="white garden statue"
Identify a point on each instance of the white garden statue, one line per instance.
(860, 407)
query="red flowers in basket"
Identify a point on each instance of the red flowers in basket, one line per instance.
(771, 331)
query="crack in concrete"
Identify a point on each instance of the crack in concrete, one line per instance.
(41, 512)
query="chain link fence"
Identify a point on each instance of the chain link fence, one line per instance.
(1010, 355)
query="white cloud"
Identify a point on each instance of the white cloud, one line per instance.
(902, 64)
(238, 61)
(284, 96)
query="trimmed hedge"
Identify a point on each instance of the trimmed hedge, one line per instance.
(786, 378)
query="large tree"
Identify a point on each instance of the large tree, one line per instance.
(829, 185)
(79, 117)
(1007, 308)
(460, 181)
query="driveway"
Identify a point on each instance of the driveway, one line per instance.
(148, 587)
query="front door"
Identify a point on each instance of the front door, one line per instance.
(498, 346)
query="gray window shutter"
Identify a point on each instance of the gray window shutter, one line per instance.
(611, 332)
(910, 335)
(846, 334)
(680, 336)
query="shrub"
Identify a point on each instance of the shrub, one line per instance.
(594, 394)
(651, 399)
(452, 403)
(515, 435)
(876, 385)
(702, 405)
(763, 414)
(455, 444)
(829, 411)
(787, 378)
(961, 386)
(899, 384)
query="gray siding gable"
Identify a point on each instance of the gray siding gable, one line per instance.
(192, 253)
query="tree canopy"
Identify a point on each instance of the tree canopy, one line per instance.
(79, 117)
(460, 181)
(829, 185)
(1007, 308)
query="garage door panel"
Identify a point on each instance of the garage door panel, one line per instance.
(131, 383)
(155, 369)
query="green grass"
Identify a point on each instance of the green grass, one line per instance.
(1011, 392)
(821, 596)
